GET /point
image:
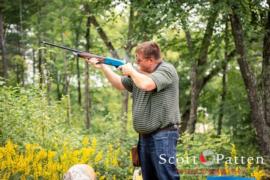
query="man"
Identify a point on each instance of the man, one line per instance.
(155, 88)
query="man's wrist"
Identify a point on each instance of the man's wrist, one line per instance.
(132, 72)
(103, 67)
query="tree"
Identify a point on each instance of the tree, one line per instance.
(266, 68)
(77, 34)
(258, 117)
(86, 71)
(189, 117)
(2, 45)
(224, 78)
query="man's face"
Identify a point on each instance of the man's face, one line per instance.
(144, 64)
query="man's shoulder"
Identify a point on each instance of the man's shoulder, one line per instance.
(166, 65)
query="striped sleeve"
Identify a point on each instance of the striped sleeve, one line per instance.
(127, 83)
(162, 77)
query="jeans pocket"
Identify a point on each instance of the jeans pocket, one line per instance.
(161, 142)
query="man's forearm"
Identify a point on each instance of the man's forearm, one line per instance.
(113, 78)
(142, 81)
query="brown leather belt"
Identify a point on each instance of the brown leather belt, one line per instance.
(172, 127)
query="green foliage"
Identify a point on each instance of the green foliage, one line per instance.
(194, 145)
(26, 117)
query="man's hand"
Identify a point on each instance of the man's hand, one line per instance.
(94, 62)
(127, 69)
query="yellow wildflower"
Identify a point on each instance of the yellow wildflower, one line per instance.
(258, 174)
(94, 143)
(98, 157)
(115, 157)
(237, 171)
(42, 154)
(227, 170)
(249, 164)
(86, 154)
(102, 177)
(85, 141)
(1, 153)
(115, 161)
(233, 151)
(10, 148)
(51, 155)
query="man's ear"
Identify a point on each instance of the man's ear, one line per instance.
(152, 60)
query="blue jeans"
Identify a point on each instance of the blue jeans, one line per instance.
(157, 153)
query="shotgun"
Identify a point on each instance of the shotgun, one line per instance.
(105, 60)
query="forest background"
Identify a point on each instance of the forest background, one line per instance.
(57, 111)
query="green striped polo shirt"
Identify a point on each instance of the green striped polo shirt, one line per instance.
(159, 108)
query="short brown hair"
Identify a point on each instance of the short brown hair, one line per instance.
(149, 49)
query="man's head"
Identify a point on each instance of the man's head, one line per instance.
(148, 56)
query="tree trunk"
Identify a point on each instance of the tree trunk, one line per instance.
(77, 34)
(68, 109)
(58, 82)
(40, 67)
(198, 69)
(78, 81)
(34, 65)
(17, 70)
(49, 85)
(266, 69)
(257, 114)
(2, 47)
(193, 91)
(65, 90)
(66, 78)
(224, 82)
(50, 73)
(86, 81)
(194, 99)
(21, 44)
(193, 74)
(19, 65)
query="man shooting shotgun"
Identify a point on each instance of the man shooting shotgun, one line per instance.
(101, 60)
(154, 85)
